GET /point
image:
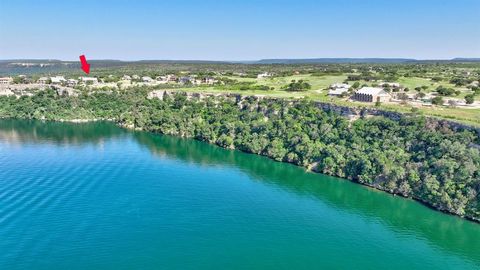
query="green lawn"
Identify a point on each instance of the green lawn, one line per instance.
(317, 82)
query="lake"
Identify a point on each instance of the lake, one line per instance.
(95, 196)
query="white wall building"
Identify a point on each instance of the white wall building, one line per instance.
(42, 80)
(338, 91)
(394, 85)
(71, 82)
(340, 85)
(57, 80)
(89, 80)
(147, 79)
(264, 75)
(6, 80)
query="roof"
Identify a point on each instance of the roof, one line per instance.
(338, 91)
(374, 91)
(88, 79)
(340, 85)
(57, 79)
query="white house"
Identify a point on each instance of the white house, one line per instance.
(126, 78)
(147, 79)
(42, 80)
(57, 80)
(394, 85)
(71, 82)
(371, 94)
(264, 75)
(338, 91)
(6, 92)
(89, 80)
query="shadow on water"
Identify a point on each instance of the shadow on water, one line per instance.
(58, 133)
(401, 215)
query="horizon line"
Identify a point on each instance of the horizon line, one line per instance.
(245, 60)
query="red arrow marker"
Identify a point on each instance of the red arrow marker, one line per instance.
(85, 64)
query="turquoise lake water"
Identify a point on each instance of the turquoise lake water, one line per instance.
(94, 196)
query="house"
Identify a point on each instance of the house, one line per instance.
(43, 80)
(264, 75)
(71, 82)
(338, 91)
(135, 77)
(371, 94)
(6, 91)
(89, 80)
(208, 80)
(340, 85)
(6, 80)
(147, 79)
(185, 80)
(126, 78)
(65, 91)
(171, 78)
(393, 85)
(57, 80)
(161, 79)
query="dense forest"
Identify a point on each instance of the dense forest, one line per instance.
(414, 156)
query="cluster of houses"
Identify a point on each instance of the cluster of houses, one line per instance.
(127, 79)
(60, 80)
(170, 79)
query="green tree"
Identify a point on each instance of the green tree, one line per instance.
(469, 99)
(437, 101)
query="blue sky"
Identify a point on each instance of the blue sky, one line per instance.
(239, 30)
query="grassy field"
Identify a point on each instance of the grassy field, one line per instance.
(317, 82)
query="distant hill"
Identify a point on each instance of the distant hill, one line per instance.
(357, 60)
(466, 59)
(335, 60)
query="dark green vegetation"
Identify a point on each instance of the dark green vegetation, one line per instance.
(299, 85)
(414, 157)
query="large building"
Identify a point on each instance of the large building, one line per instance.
(371, 94)
(6, 80)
